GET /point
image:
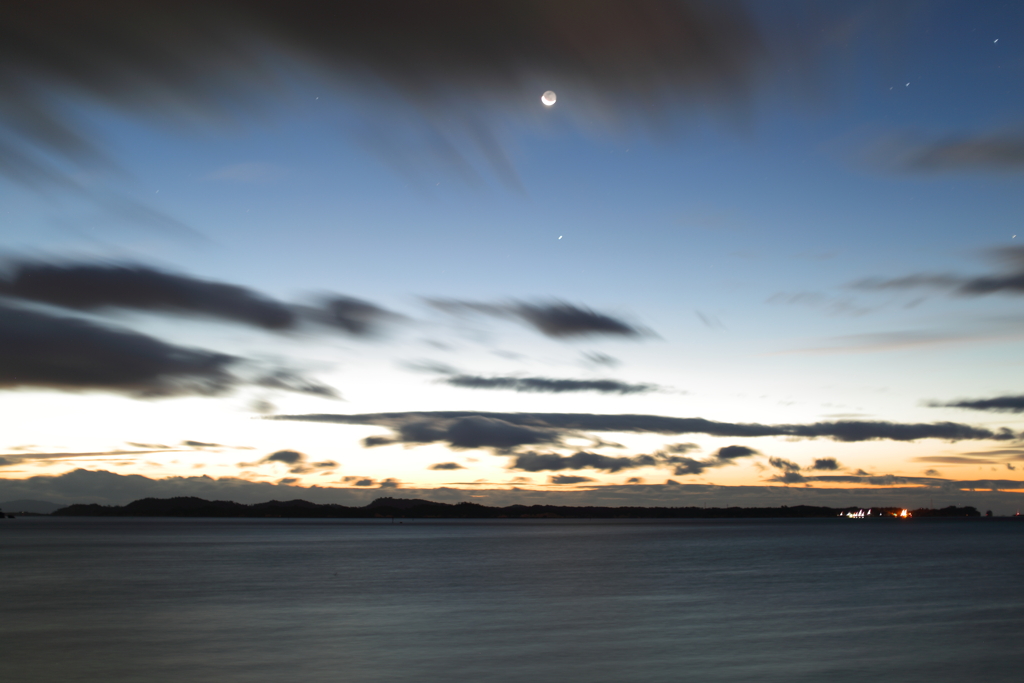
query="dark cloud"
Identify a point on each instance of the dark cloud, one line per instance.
(548, 385)
(722, 457)
(297, 462)
(446, 466)
(486, 432)
(199, 444)
(374, 441)
(1002, 404)
(538, 462)
(783, 464)
(825, 464)
(5, 461)
(355, 316)
(556, 319)
(95, 286)
(42, 350)
(529, 384)
(287, 457)
(358, 481)
(99, 286)
(389, 483)
(789, 477)
(684, 466)
(733, 452)
(461, 429)
(566, 320)
(634, 480)
(568, 479)
(470, 431)
(199, 61)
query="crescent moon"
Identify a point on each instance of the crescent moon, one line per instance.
(549, 98)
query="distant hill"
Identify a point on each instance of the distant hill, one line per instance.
(425, 509)
(39, 507)
(401, 503)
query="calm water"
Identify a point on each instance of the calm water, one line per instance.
(296, 601)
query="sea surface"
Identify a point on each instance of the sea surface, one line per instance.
(295, 601)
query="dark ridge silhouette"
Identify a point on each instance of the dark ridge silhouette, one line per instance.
(416, 508)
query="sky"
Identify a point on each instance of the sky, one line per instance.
(754, 254)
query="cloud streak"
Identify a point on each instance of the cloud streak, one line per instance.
(548, 385)
(104, 286)
(1000, 404)
(557, 319)
(504, 431)
(541, 462)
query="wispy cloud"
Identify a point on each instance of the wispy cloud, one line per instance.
(445, 59)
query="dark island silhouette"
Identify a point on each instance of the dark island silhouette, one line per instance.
(404, 508)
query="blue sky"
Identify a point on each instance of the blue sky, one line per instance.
(817, 228)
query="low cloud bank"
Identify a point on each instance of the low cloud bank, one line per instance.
(42, 350)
